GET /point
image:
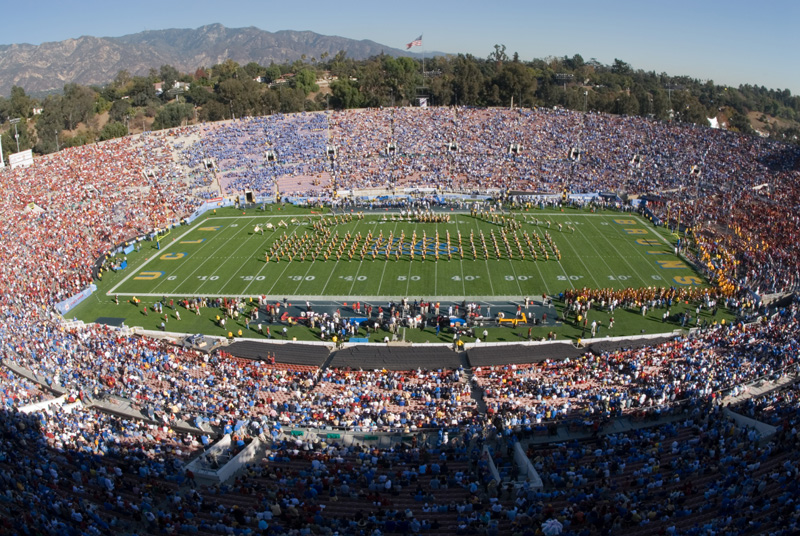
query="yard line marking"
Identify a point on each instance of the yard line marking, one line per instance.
(207, 258)
(541, 275)
(232, 256)
(333, 269)
(602, 257)
(485, 260)
(644, 281)
(561, 265)
(411, 262)
(355, 277)
(266, 266)
(511, 263)
(435, 266)
(283, 272)
(310, 266)
(358, 269)
(460, 260)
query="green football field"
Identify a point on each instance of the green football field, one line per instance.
(223, 255)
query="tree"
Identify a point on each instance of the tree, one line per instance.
(739, 122)
(169, 75)
(5, 109)
(112, 130)
(254, 70)
(620, 67)
(78, 105)
(345, 95)
(305, 79)
(372, 83)
(213, 110)
(442, 90)
(574, 63)
(21, 104)
(291, 100)
(225, 70)
(119, 110)
(499, 54)
(341, 66)
(201, 75)
(272, 73)
(660, 104)
(517, 81)
(269, 102)
(198, 94)
(240, 95)
(626, 105)
(172, 115)
(122, 79)
(49, 124)
(141, 91)
(467, 80)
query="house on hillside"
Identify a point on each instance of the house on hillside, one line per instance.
(159, 86)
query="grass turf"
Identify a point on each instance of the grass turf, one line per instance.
(223, 256)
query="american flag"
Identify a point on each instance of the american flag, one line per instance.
(415, 43)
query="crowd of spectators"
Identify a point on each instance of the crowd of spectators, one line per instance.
(730, 189)
(599, 387)
(468, 149)
(74, 469)
(700, 474)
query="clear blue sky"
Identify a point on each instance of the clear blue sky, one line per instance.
(731, 42)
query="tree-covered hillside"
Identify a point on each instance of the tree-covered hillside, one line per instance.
(168, 98)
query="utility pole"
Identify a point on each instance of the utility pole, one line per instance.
(16, 134)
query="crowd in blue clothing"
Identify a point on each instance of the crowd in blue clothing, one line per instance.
(465, 148)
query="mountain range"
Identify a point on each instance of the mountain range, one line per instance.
(91, 60)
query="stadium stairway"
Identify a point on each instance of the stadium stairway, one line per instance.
(477, 390)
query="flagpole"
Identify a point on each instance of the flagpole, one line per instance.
(423, 59)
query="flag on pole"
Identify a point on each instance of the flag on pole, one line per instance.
(415, 43)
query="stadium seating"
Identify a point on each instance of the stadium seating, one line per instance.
(628, 440)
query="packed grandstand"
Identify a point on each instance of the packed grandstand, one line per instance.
(105, 431)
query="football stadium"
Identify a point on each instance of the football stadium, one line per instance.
(410, 320)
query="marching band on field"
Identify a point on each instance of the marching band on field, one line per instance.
(511, 241)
